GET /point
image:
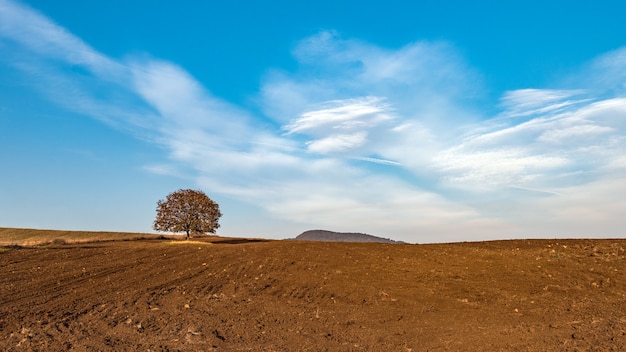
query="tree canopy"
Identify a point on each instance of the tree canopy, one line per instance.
(189, 211)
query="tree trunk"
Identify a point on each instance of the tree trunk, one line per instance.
(187, 234)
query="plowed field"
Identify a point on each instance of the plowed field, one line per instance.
(240, 295)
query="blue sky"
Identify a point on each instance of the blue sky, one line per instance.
(418, 121)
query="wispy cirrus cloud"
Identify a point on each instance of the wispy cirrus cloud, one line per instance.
(422, 79)
(42, 36)
(346, 114)
(348, 121)
(528, 102)
(546, 151)
(387, 140)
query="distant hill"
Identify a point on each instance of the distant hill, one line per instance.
(331, 236)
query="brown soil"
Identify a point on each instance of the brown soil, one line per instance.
(154, 295)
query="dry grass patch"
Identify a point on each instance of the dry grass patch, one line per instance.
(35, 237)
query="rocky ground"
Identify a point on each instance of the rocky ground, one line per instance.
(250, 295)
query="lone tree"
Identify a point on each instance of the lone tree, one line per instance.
(187, 210)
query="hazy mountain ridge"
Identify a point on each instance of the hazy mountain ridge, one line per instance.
(331, 236)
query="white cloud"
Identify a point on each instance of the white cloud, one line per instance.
(378, 161)
(525, 102)
(420, 80)
(347, 88)
(341, 125)
(495, 168)
(44, 37)
(574, 134)
(346, 114)
(608, 72)
(551, 149)
(337, 143)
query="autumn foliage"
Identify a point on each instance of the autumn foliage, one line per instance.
(188, 211)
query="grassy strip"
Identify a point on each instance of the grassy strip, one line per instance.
(34, 237)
